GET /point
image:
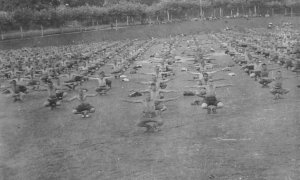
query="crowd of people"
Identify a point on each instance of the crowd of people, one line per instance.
(60, 70)
(257, 50)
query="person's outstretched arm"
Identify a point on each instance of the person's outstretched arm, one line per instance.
(224, 85)
(92, 78)
(153, 74)
(167, 91)
(168, 100)
(73, 98)
(144, 82)
(91, 95)
(109, 77)
(132, 101)
(197, 86)
(194, 73)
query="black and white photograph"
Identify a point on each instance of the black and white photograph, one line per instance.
(149, 89)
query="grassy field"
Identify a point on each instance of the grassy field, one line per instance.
(252, 138)
(144, 32)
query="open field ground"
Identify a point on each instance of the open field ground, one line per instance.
(252, 138)
(146, 32)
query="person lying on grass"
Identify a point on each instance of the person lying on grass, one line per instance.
(83, 108)
(150, 113)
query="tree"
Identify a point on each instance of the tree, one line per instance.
(76, 3)
(10, 5)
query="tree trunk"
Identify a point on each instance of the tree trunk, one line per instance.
(168, 15)
(214, 12)
(243, 8)
(21, 29)
(285, 11)
(42, 30)
(127, 20)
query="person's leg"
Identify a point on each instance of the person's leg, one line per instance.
(23, 89)
(273, 91)
(276, 93)
(159, 122)
(70, 81)
(89, 108)
(196, 102)
(98, 90)
(69, 85)
(22, 96)
(102, 89)
(189, 93)
(204, 105)
(46, 103)
(108, 83)
(143, 123)
(220, 105)
(268, 81)
(58, 103)
(284, 91)
(257, 75)
(79, 109)
(92, 110)
(261, 81)
(160, 106)
(265, 82)
(16, 97)
(64, 94)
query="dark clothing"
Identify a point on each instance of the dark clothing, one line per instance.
(84, 107)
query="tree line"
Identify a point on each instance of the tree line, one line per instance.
(31, 14)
